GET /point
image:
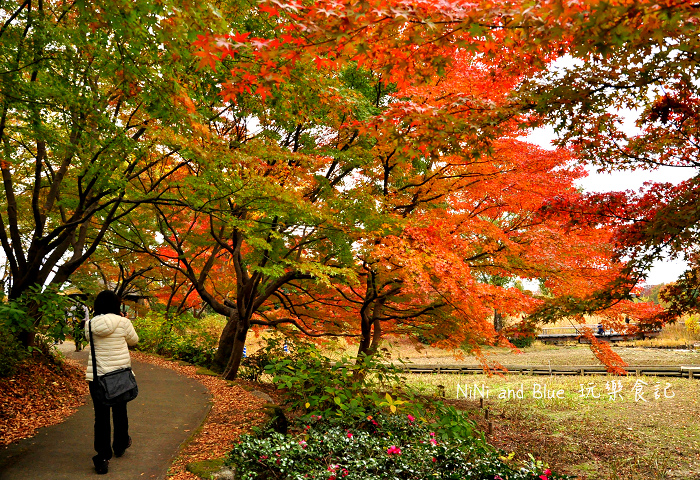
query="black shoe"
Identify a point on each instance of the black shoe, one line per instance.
(101, 465)
(119, 453)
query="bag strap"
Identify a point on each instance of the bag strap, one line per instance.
(92, 349)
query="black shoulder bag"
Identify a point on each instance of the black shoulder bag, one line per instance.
(114, 387)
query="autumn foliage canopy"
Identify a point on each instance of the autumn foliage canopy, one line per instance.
(359, 168)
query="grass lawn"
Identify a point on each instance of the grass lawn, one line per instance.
(594, 438)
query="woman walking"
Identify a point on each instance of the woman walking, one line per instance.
(112, 334)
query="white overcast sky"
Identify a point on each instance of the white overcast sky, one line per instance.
(663, 270)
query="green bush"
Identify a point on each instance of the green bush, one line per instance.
(253, 366)
(11, 353)
(180, 337)
(347, 391)
(313, 383)
(382, 447)
(39, 310)
(522, 342)
(77, 332)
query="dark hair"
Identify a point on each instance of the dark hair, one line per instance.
(107, 302)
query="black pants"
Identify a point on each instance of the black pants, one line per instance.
(103, 434)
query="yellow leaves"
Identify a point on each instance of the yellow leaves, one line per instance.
(692, 324)
(391, 403)
(508, 458)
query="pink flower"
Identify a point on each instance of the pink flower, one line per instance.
(548, 472)
(411, 418)
(497, 477)
(393, 450)
(432, 434)
(302, 443)
(349, 435)
(433, 441)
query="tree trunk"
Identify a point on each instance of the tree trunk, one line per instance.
(370, 343)
(498, 322)
(365, 341)
(226, 341)
(234, 361)
(28, 337)
(376, 337)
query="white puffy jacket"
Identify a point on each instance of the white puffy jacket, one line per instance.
(112, 334)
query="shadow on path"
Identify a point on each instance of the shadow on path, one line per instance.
(169, 408)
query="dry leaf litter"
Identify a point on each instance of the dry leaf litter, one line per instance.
(40, 393)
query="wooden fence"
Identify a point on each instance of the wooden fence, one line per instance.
(687, 371)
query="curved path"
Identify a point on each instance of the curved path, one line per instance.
(168, 410)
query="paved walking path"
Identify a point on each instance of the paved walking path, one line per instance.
(168, 410)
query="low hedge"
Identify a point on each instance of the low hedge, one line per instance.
(385, 447)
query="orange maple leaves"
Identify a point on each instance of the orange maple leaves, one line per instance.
(605, 354)
(460, 200)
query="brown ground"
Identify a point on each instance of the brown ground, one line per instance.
(41, 393)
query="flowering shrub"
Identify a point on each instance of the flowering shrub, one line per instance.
(393, 450)
(382, 447)
(358, 422)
